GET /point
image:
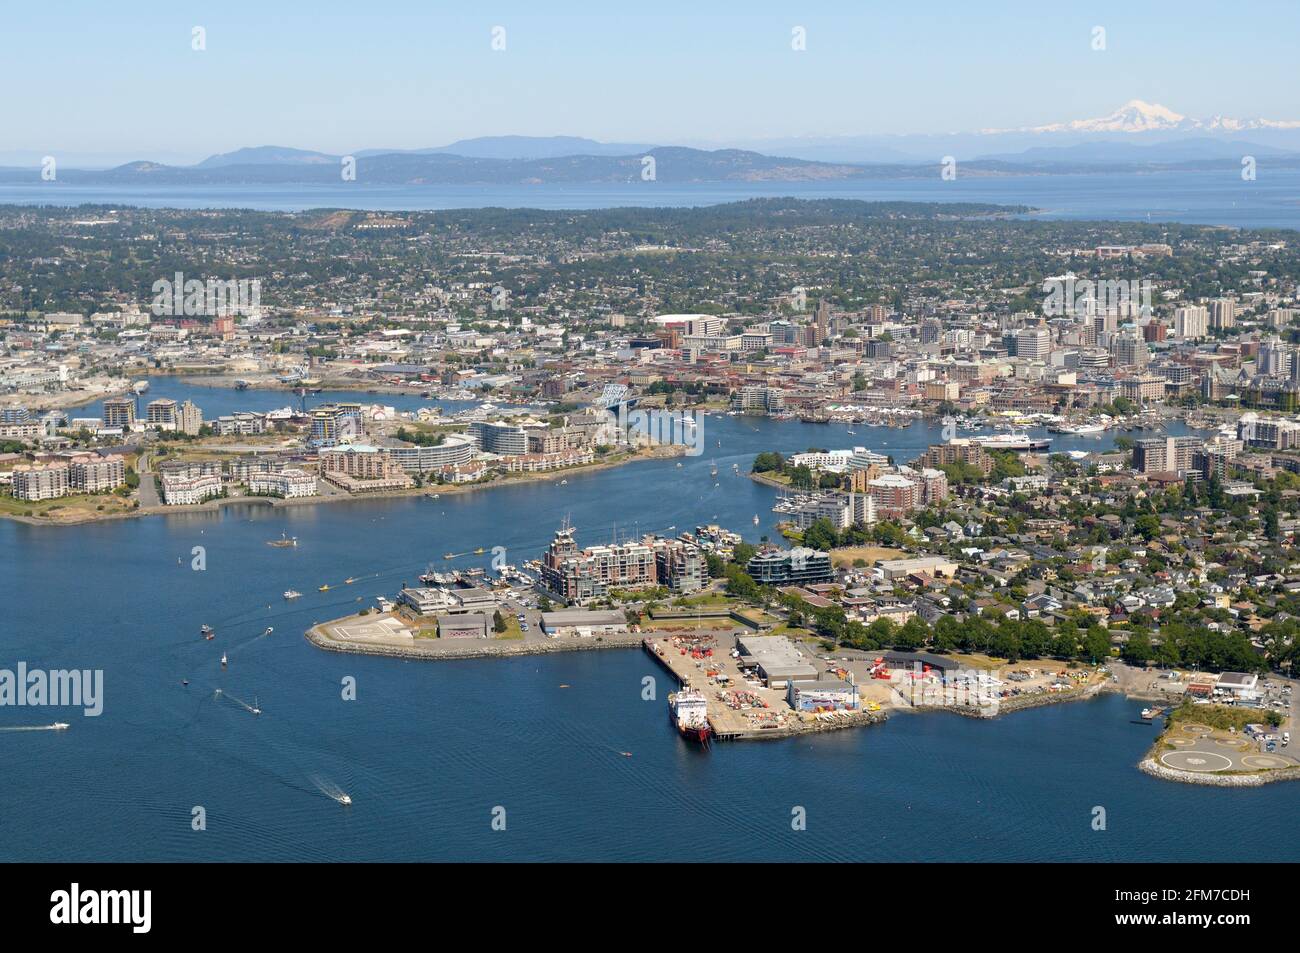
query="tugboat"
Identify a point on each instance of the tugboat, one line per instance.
(688, 710)
(206, 631)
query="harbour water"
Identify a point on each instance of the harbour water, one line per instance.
(1218, 197)
(427, 751)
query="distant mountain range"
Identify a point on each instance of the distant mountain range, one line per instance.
(1138, 136)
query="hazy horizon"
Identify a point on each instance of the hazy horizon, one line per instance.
(411, 77)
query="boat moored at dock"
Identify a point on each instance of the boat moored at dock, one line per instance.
(689, 712)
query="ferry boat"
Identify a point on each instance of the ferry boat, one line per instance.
(688, 710)
(1086, 429)
(207, 633)
(292, 594)
(1011, 441)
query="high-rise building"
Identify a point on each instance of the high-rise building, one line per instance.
(1223, 313)
(162, 413)
(333, 423)
(1129, 351)
(504, 439)
(1191, 323)
(119, 412)
(1165, 454)
(189, 419)
(1033, 343)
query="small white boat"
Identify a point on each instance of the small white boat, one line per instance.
(564, 483)
(223, 659)
(268, 631)
(60, 726)
(292, 594)
(755, 519)
(345, 800)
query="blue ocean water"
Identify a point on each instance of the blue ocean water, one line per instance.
(1200, 198)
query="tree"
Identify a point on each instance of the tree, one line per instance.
(1147, 526)
(1137, 650)
(498, 622)
(821, 535)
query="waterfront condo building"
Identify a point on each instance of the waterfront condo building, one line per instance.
(578, 576)
(791, 567)
(119, 412)
(90, 474)
(190, 419)
(45, 482)
(186, 491)
(288, 483)
(758, 399)
(959, 450)
(332, 424)
(499, 438)
(162, 413)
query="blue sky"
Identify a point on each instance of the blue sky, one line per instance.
(122, 78)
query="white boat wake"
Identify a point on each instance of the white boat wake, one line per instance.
(330, 789)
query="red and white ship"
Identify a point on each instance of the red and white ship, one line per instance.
(689, 711)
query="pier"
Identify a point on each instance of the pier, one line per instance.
(739, 710)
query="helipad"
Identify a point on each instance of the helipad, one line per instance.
(1201, 761)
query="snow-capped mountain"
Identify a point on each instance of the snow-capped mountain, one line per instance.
(1136, 116)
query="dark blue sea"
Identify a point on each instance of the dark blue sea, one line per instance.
(1198, 198)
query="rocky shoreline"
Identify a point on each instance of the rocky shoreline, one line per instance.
(1157, 770)
(479, 650)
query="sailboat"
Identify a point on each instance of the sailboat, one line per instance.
(223, 659)
(755, 519)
